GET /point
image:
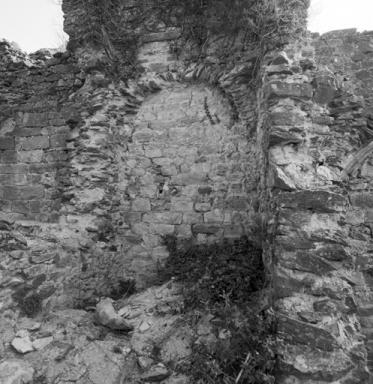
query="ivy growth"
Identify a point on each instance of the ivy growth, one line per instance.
(256, 25)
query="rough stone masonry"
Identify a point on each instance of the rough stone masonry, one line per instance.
(94, 172)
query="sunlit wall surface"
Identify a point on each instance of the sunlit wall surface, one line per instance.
(32, 24)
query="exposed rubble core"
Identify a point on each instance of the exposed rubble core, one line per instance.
(96, 169)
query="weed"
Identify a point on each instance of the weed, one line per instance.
(225, 281)
(28, 300)
(101, 274)
(213, 272)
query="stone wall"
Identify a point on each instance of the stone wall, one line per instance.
(317, 124)
(95, 171)
(102, 170)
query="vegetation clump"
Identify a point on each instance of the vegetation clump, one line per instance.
(225, 281)
(255, 25)
(29, 301)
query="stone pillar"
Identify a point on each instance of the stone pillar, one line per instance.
(314, 274)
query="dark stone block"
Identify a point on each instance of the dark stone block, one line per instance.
(294, 242)
(205, 190)
(315, 201)
(324, 94)
(27, 132)
(280, 136)
(334, 252)
(325, 88)
(307, 261)
(7, 143)
(8, 156)
(362, 199)
(299, 332)
(286, 285)
(206, 229)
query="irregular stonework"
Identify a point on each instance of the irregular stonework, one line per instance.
(95, 171)
(317, 248)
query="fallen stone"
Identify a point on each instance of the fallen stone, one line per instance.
(42, 343)
(22, 345)
(107, 316)
(156, 373)
(145, 362)
(16, 372)
(29, 324)
(144, 326)
(22, 333)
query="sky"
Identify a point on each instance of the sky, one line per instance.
(329, 15)
(32, 24)
(35, 24)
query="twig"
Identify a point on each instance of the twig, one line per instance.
(238, 378)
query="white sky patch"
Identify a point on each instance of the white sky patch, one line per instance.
(329, 15)
(32, 24)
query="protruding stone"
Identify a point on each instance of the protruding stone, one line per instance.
(42, 343)
(298, 332)
(145, 362)
(107, 316)
(316, 201)
(22, 344)
(156, 373)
